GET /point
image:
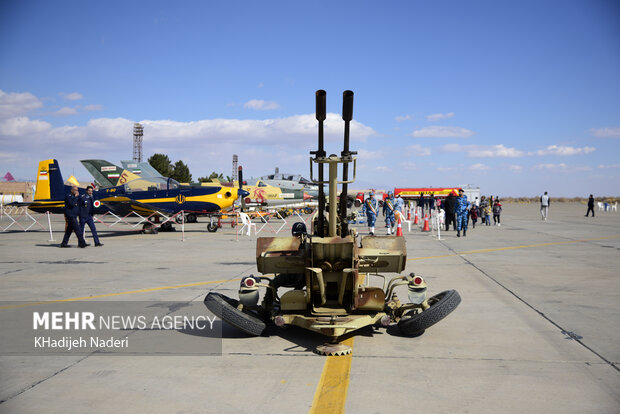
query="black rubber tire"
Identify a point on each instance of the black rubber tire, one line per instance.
(212, 227)
(192, 218)
(226, 309)
(441, 305)
(179, 219)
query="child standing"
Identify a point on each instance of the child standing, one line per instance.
(473, 213)
(487, 214)
(497, 210)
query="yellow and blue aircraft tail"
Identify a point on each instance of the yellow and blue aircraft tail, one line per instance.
(49, 194)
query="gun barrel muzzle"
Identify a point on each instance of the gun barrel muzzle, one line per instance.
(321, 105)
(347, 105)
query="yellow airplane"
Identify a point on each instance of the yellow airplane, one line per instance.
(144, 196)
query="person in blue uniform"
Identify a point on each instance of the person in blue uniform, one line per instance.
(370, 209)
(399, 204)
(72, 211)
(389, 212)
(87, 210)
(462, 205)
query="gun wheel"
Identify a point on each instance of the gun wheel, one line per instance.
(333, 349)
(226, 309)
(441, 305)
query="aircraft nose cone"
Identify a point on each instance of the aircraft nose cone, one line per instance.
(243, 193)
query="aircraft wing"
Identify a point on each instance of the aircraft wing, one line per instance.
(125, 205)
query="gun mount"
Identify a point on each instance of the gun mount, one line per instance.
(328, 271)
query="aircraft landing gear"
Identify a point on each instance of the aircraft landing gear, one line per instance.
(189, 218)
(212, 226)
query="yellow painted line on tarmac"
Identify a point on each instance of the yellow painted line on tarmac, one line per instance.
(107, 295)
(331, 392)
(525, 246)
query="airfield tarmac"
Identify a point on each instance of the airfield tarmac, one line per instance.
(537, 329)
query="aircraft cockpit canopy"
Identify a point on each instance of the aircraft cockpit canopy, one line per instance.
(151, 184)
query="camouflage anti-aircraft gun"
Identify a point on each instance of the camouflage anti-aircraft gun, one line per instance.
(328, 270)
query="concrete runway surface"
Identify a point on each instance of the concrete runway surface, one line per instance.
(537, 329)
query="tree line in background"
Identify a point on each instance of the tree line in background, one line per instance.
(179, 170)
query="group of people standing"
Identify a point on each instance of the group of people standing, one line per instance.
(82, 207)
(425, 201)
(391, 206)
(458, 210)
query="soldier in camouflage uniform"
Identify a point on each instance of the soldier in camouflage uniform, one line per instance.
(462, 205)
(370, 209)
(389, 212)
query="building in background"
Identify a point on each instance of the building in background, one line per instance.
(11, 191)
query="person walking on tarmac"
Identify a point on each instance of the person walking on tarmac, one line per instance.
(388, 212)
(497, 210)
(449, 206)
(421, 203)
(399, 204)
(87, 210)
(473, 214)
(370, 209)
(431, 203)
(462, 205)
(544, 206)
(590, 206)
(72, 211)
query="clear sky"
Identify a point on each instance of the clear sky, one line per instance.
(518, 97)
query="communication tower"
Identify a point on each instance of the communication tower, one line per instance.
(235, 174)
(138, 132)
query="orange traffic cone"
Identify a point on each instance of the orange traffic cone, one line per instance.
(399, 228)
(408, 214)
(426, 228)
(416, 221)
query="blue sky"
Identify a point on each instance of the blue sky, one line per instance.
(516, 97)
